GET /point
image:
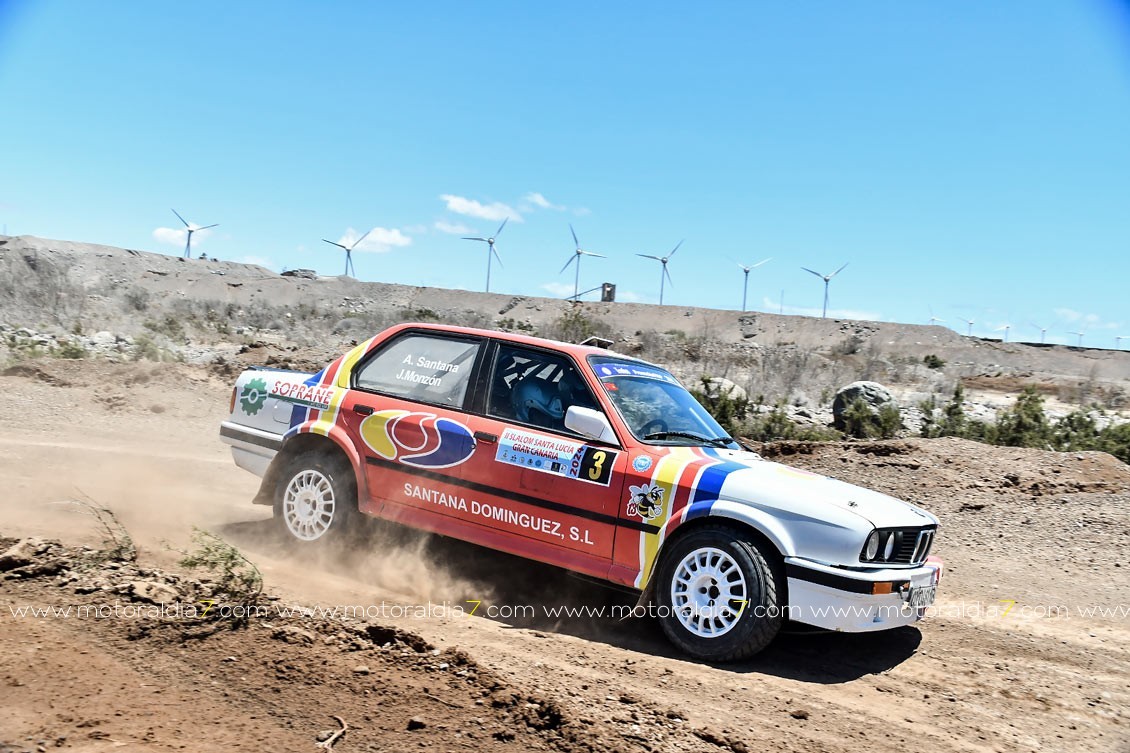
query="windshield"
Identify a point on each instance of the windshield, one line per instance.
(656, 408)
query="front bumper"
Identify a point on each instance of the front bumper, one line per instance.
(855, 601)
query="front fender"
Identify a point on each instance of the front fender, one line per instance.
(339, 437)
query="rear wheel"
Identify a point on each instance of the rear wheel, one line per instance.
(316, 498)
(719, 594)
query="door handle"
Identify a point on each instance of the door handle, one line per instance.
(485, 437)
(364, 410)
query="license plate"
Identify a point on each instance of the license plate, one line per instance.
(923, 596)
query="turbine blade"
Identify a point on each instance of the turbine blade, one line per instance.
(806, 269)
(484, 240)
(744, 268)
(499, 231)
(496, 256)
(590, 253)
(572, 259)
(758, 264)
(676, 248)
(649, 256)
(357, 242)
(668, 273)
(841, 269)
(182, 219)
(208, 226)
(334, 243)
(576, 243)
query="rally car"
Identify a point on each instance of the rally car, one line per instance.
(592, 461)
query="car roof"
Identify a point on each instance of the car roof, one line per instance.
(579, 352)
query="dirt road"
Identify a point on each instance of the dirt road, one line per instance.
(1013, 661)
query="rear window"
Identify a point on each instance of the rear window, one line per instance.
(426, 368)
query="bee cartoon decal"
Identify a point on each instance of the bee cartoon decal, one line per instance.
(646, 501)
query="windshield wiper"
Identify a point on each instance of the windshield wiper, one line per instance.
(717, 441)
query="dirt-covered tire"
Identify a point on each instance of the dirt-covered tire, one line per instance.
(719, 594)
(316, 499)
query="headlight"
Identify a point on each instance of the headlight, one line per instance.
(871, 549)
(889, 549)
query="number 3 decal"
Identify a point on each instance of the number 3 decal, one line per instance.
(597, 468)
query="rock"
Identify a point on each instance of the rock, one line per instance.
(361, 669)
(22, 553)
(297, 636)
(721, 387)
(798, 714)
(873, 394)
(153, 591)
(305, 274)
(416, 723)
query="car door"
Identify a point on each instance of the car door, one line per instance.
(405, 414)
(546, 492)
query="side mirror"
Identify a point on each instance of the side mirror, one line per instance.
(590, 423)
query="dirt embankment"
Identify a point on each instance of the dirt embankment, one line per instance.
(996, 668)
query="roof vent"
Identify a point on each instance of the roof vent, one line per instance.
(597, 342)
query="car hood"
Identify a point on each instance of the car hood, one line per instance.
(763, 483)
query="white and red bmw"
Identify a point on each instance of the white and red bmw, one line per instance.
(592, 461)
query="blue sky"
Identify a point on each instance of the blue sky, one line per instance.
(968, 159)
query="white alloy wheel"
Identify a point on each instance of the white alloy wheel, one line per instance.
(308, 505)
(708, 592)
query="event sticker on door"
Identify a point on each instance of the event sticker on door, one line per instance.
(557, 456)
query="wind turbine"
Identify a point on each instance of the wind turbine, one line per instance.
(576, 257)
(1043, 331)
(663, 272)
(490, 248)
(1118, 341)
(970, 322)
(934, 319)
(191, 228)
(827, 279)
(349, 251)
(1004, 328)
(747, 270)
(1079, 335)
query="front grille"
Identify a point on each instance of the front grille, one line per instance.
(911, 546)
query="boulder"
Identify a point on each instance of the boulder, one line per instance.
(873, 394)
(717, 387)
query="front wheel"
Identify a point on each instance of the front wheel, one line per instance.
(316, 498)
(719, 595)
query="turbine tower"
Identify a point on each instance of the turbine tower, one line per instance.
(827, 279)
(934, 319)
(745, 284)
(349, 268)
(663, 273)
(191, 228)
(490, 248)
(1043, 331)
(970, 322)
(1005, 328)
(576, 257)
(1079, 335)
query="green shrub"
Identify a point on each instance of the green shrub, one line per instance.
(1024, 424)
(933, 362)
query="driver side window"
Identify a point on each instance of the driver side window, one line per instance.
(536, 388)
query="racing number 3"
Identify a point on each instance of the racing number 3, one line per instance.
(597, 465)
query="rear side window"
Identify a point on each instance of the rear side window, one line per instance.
(422, 367)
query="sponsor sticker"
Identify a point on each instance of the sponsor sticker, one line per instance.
(560, 457)
(308, 396)
(419, 439)
(646, 501)
(641, 463)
